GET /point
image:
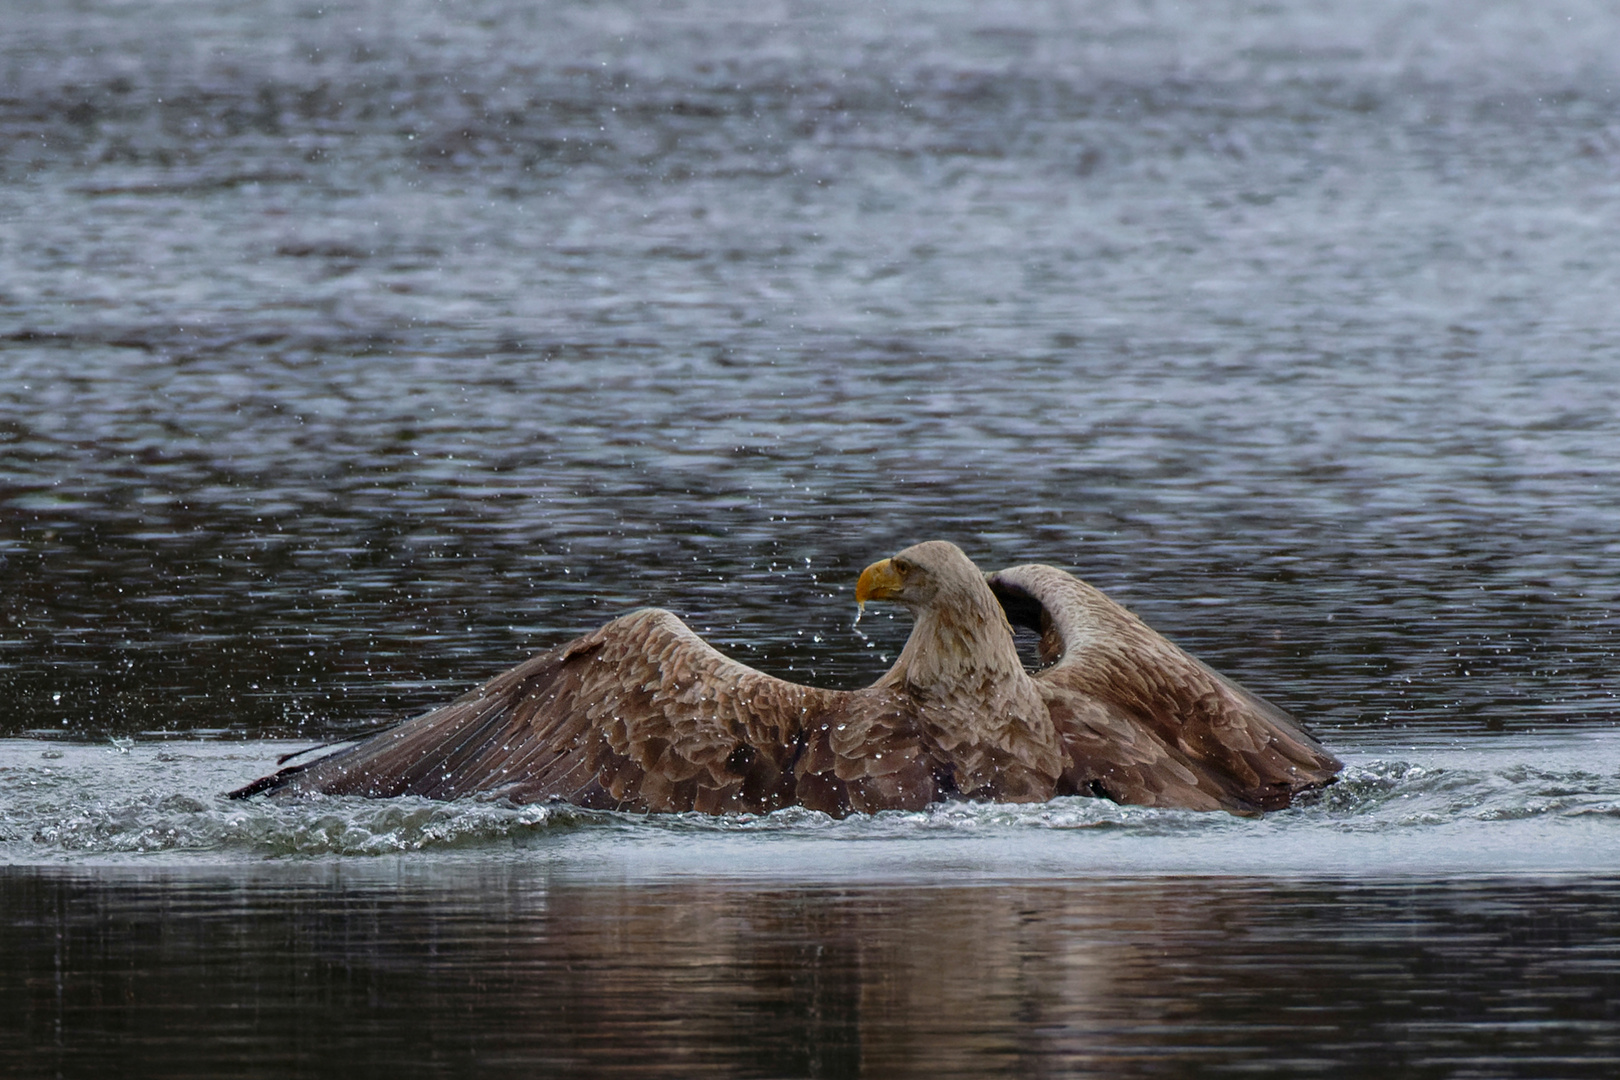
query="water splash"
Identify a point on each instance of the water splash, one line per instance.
(860, 609)
(1548, 803)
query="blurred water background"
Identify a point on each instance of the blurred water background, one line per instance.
(351, 351)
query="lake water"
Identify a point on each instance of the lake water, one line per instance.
(351, 351)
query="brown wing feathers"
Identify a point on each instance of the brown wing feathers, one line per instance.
(1212, 735)
(641, 715)
(1108, 755)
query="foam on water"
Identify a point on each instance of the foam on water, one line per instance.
(1523, 803)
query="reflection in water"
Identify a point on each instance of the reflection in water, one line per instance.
(294, 969)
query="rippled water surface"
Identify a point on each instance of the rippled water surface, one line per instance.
(349, 352)
(509, 971)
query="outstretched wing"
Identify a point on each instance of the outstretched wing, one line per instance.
(1122, 688)
(639, 715)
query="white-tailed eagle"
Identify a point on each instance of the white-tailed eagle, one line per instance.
(643, 715)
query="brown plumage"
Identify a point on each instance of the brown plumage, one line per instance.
(643, 715)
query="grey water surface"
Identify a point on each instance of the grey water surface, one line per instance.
(352, 351)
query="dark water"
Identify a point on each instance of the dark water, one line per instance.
(520, 972)
(351, 351)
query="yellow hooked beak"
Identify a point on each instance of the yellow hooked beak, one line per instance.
(879, 581)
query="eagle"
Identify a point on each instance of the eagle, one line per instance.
(642, 715)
